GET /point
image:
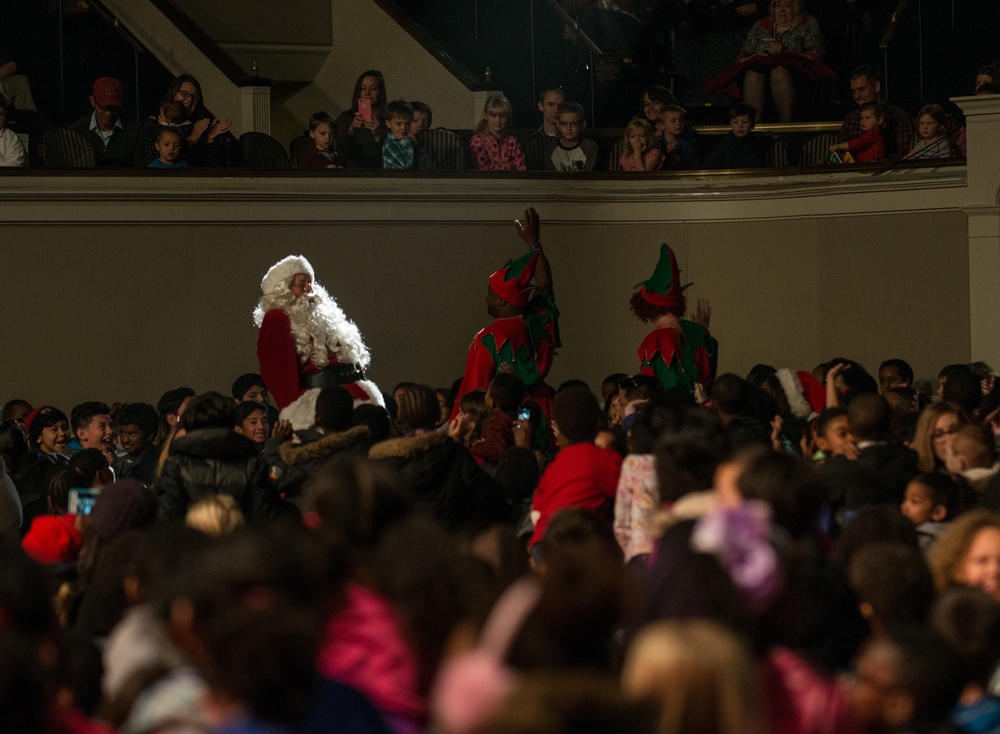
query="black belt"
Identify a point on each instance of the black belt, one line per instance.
(334, 374)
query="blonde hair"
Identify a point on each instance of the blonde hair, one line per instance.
(637, 124)
(701, 675)
(952, 546)
(923, 437)
(494, 104)
(215, 515)
(796, 10)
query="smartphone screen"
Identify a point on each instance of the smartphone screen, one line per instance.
(524, 414)
(365, 109)
(81, 501)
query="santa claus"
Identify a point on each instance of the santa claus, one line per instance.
(306, 343)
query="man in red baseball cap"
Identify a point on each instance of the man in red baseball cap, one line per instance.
(115, 142)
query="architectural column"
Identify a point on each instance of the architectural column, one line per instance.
(982, 206)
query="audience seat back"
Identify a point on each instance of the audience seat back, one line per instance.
(263, 151)
(536, 148)
(816, 149)
(445, 149)
(615, 154)
(65, 148)
(776, 154)
(298, 147)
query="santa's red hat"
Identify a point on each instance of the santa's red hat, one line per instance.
(286, 269)
(664, 289)
(512, 282)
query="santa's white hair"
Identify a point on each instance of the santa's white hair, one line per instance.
(322, 333)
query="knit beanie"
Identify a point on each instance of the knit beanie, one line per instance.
(123, 505)
(53, 539)
(40, 418)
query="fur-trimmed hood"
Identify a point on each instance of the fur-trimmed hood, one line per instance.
(408, 446)
(323, 447)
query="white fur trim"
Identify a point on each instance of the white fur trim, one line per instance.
(302, 413)
(794, 393)
(373, 392)
(286, 269)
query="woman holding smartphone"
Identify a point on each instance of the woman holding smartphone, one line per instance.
(361, 128)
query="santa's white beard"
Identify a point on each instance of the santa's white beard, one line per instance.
(322, 333)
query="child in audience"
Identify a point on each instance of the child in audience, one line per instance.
(970, 621)
(639, 149)
(422, 117)
(894, 373)
(972, 453)
(12, 153)
(169, 144)
(906, 681)
(493, 149)
(678, 153)
(321, 155)
(215, 515)
(695, 671)
(582, 475)
(933, 134)
(967, 553)
(472, 407)
(572, 151)
(741, 148)
(171, 115)
(832, 432)
(400, 151)
(892, 583)
(931, 501)
(503, 397)
(251, 421)
(870, 147)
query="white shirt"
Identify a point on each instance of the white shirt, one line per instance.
(105, 136)
(12, 151)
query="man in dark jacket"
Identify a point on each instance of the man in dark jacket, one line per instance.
(115, 142)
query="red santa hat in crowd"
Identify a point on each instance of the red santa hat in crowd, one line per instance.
(806, 397)
(286, 269)
(512, 282)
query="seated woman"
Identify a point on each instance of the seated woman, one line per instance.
(779, 53)
(207, 140)
(787, 31)
(361, 128)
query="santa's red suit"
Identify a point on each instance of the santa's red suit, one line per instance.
(294, 380)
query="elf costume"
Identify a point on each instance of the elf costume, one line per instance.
(527, 342)
(676, 357)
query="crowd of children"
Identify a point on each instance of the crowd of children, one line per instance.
(792, 551)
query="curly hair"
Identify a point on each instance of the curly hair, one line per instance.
(646, 311)
(952, 545)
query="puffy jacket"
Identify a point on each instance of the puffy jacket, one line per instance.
(445, 480)
(215, 461)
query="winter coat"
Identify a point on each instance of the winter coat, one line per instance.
(445, 480)
(290, 465)
(213, 461)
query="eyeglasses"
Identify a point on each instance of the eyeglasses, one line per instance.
(189, 95)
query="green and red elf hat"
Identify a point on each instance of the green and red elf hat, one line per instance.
(664, 289)
(512, 282)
